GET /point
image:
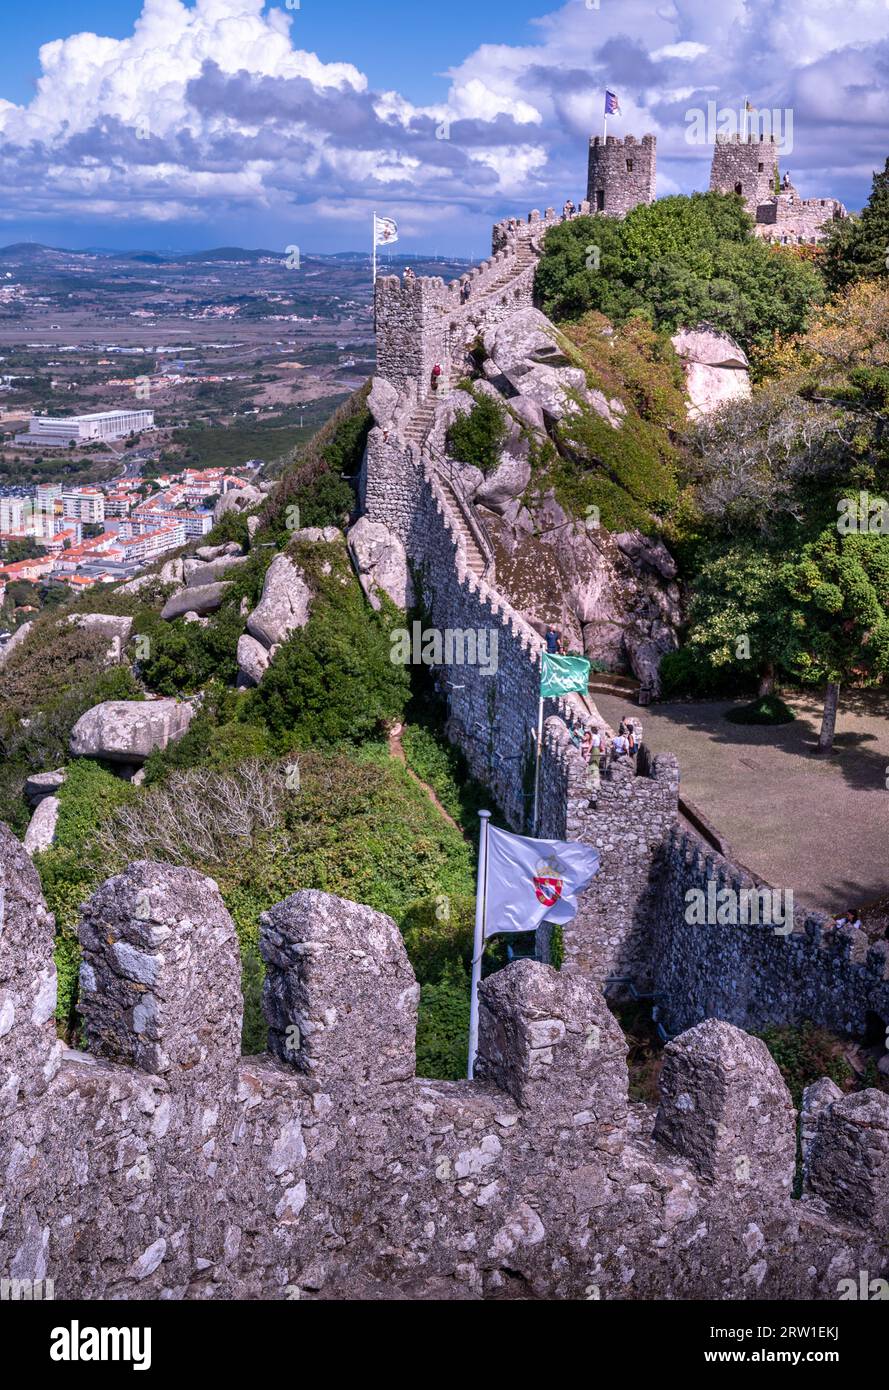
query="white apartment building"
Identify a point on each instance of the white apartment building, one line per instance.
(57, 431)
(139, 549)
(83, 504)
(15, 513)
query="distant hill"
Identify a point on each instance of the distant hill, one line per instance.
(227, 253)
(29, 251)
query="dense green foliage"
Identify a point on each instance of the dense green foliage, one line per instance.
(47, 683)
(334, 681)
(677, 262)
(443, 1027)
(478, 438)
(859, 247)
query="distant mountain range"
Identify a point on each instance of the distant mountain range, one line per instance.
(33, 252)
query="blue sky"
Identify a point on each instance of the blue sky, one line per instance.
(158, 123)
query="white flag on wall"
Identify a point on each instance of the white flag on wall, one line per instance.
(385, 230)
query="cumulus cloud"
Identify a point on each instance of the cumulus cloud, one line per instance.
(211, 111)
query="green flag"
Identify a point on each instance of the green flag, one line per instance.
(560, 675)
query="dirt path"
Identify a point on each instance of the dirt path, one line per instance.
(397, 751)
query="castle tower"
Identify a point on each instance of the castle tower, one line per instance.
(621, 173)
(747, 166)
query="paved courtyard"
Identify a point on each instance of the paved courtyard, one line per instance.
(817, 825)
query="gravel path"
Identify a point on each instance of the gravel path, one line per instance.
(817, 825)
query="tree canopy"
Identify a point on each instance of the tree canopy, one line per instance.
(677, 262)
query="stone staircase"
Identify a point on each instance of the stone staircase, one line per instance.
(423, 417)
(420, 422)
(474, 557)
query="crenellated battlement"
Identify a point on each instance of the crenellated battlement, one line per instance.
(158, 1164)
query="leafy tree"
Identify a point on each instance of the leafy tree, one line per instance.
(679, 261)
(739, 614)
(859, 247)
(840, 591)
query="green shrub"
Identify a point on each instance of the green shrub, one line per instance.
(438, 934)
(311, 492)
(182, 657)
(333, 681)
(479, 437)
(443, 1027)
(766, 709)
(687, 674)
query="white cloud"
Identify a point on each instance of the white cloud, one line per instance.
(213, 110)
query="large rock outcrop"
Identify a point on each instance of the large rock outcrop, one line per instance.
(41, 831)
(613, 596)
(198, 598)
(716, 368)
(284, 606)
(381, 562)
(128, 731)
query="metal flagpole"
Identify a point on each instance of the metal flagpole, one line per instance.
(744, 121)
(537, 764)
(374, 239)
(478, 944)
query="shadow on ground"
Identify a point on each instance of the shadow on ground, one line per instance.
(817, 825)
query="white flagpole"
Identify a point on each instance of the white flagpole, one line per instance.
(744, 121)
(537, 764)
(374, 240)
(478, 944)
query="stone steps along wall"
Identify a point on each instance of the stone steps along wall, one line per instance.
(492, 718)
(161, 1164)
(753, 975)
(421, 322)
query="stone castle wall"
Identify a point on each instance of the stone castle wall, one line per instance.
(160, 1164)
(795, 221)
(631, 925)
(621, 173)
(757, 975)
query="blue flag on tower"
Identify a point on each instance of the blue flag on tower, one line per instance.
(611, 104)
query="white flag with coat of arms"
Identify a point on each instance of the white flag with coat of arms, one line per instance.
(385, 230)
(532, 881)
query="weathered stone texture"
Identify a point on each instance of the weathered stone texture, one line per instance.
(758, 974)
(128, 731)
(218, 1177)
(621, 173)
(747, 166)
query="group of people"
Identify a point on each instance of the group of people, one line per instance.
(624, 745)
